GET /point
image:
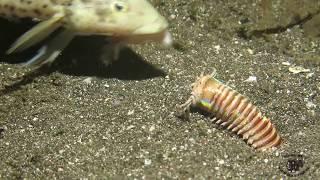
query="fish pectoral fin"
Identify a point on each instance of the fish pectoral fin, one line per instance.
(49, 52)
(36, 34)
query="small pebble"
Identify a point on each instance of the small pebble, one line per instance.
(152, 128)
(147, 162)
(298, 69)
(221, 161)
(87, 80)
(250, 51)
(251, 79)
(130, 112)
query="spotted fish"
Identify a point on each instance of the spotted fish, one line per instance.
(126, 21)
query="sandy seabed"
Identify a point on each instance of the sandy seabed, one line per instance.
(82, 119)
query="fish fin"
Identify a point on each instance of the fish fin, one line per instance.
(36, 34)
(117, 49)
(110, 52)
(49, 52)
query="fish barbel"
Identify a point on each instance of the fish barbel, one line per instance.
(128, 21)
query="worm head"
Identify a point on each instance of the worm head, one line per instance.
(199, 86)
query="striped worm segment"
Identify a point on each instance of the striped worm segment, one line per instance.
(234, 111)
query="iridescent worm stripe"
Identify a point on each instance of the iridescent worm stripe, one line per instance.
(234, 111)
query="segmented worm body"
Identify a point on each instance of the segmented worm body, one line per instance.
(233, 111)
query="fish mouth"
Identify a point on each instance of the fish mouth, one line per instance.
(155, 27)
(163, 37)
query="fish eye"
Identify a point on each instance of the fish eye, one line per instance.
(119, 6)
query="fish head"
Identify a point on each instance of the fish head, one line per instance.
(135, 20)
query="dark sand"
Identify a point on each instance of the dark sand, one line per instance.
(81, 119)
